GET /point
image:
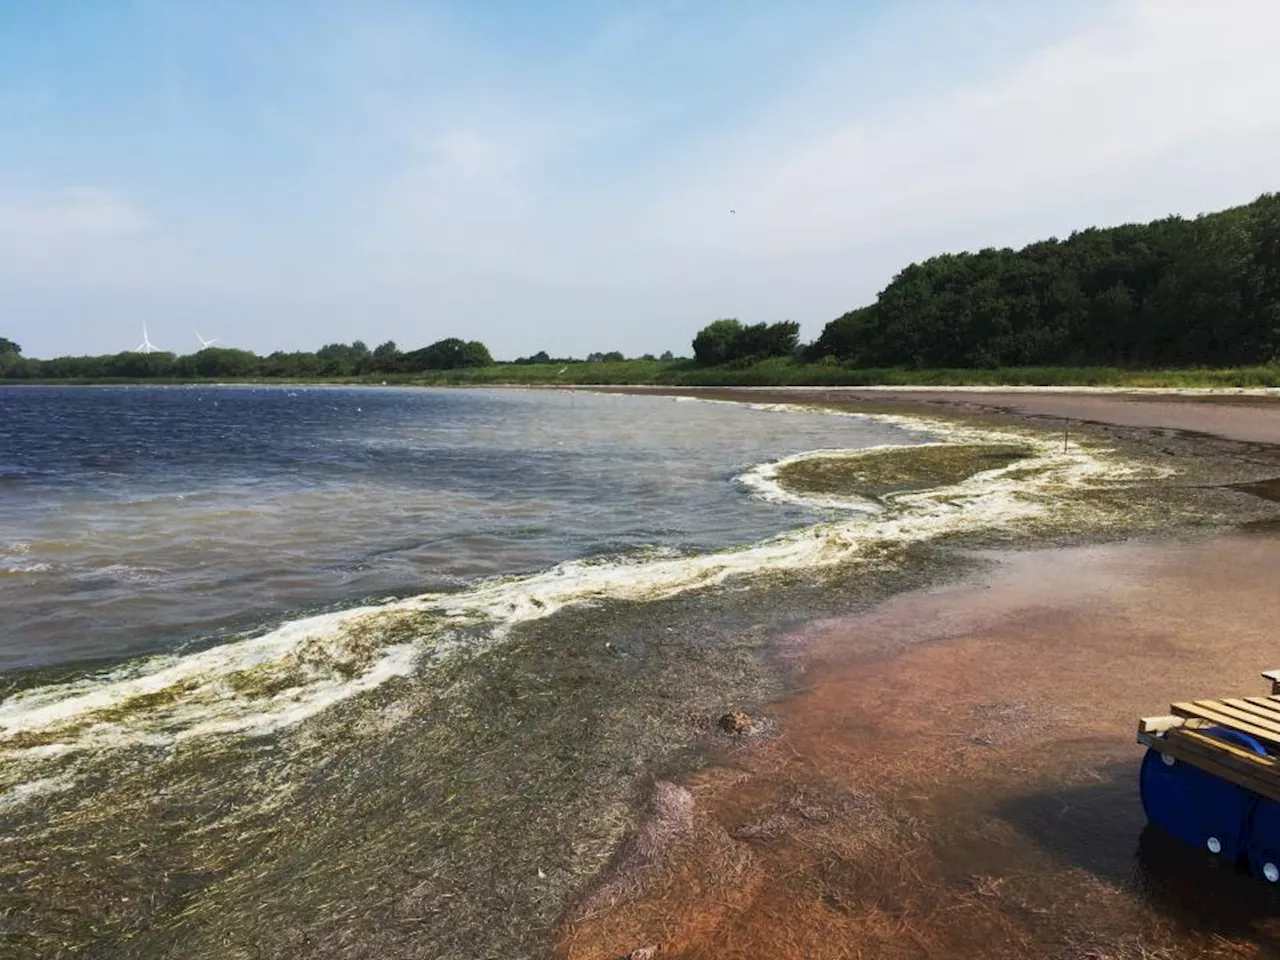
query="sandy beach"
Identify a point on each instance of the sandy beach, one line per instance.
(974, 794)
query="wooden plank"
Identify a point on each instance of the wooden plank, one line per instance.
(1206, 743)
(1241, 713)
(1223, 764)
(1216, 715)
(1159, 724)
(1259, 774)
(1274, 677)
(1266, 709)
(1215, 712)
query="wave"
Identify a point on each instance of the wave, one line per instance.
(122, 573)
(262, 684)
(12, 564)
(24, 569)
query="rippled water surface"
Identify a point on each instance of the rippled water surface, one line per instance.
(138, 519)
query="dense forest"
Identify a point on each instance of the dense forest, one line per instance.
(1203, 292)
(1173, 293)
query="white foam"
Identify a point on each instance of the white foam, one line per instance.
(763, 480)
(123, 572)
(22, 792)
(315, 663)
(20, 569)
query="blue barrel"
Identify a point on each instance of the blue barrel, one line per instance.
(1263, 844)
(1196, 807)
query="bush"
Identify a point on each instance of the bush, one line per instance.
(728, 340)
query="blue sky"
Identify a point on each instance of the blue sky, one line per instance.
(559, 175)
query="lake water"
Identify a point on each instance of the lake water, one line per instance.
(135, 520)
(349, 673)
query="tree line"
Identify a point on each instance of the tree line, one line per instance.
(334, 360)
(331, 360)
(1171, 293)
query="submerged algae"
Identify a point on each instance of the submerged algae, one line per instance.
(448, 814)
(875, 473)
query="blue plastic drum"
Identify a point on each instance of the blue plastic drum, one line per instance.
(1198, 808)
(1263, 845)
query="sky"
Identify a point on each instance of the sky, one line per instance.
(583, 175)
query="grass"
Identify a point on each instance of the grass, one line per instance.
(782, 372)
(891, 471)
(785, 372)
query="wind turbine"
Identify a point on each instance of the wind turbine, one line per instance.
(146, 346)
(204, 344)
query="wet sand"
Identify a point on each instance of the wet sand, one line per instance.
(975, 793)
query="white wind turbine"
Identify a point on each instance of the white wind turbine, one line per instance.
(146, 346)
(204, 344)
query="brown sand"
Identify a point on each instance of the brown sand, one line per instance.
(975, 794)
(1246, 418)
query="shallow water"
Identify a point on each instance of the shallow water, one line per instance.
(958, 776)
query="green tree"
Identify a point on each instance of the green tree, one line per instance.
(725, 341)
(448, 354)
(223, 362)
(716, 343)
(767, 340)
(343, 360)
(298, 365)
(386, 357)
(11, 362)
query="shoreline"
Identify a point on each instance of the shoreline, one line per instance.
(974, 792)
(608, 383)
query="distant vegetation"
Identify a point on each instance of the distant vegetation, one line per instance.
(334, 361)
(1104, 306)
(729, 342)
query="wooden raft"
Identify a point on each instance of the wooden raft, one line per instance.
(1179, 735)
